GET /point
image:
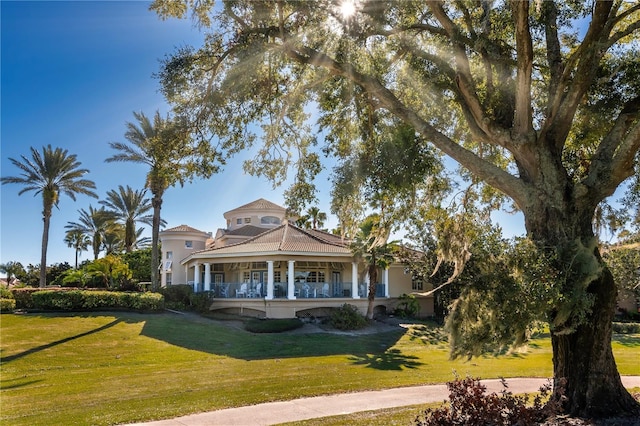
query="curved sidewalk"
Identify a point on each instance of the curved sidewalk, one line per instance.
(272, 413)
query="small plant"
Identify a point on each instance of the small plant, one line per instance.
(470, 406)
(347, 317)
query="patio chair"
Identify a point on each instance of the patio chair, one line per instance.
(242, 291)
(325, 290)
(258, 290)
(306, 288)
(224, 290)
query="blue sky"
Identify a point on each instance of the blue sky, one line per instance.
(72, 74)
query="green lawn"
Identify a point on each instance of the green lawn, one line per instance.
(109, 368)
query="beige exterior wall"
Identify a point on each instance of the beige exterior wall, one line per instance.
(401, 283)
(174, 249)
(240, 217)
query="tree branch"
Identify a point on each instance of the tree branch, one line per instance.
(579, 72)
(464, 79)
(613, 162)
(493, 175)
(523, 125)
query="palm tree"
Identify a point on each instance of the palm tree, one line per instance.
(93, 223)
(371, 246)
(128, 207)
(164, 146)
(77, 240)
(303, 221)
(12, 269)
(317, 217)
(50, 173)
(143, 242)
(113, 238)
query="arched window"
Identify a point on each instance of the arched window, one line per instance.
(269, 220)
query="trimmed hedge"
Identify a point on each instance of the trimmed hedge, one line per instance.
(626, 327)
(23, 297)
(83, 300)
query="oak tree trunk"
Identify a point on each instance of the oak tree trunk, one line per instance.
(586, 379)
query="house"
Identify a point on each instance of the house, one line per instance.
(263, 265)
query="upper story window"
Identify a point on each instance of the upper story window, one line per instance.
(416, 284)
(239, 221)
(269, 220)
(188, 244)
(169, 255)
(247, 220)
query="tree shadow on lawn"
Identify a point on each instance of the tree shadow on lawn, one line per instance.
(391, 359)
(226, 338)
(7, 359)
(216, 337)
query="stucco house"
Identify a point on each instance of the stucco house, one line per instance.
(263, 265)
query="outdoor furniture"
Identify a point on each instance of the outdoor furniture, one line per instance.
(325, 290)
(224, 290)
(242, 291)
(257, 291)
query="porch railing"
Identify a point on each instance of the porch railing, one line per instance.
(235, 290)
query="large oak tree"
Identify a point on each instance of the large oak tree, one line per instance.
(538, 100)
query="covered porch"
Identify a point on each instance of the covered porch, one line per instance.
(283, 279)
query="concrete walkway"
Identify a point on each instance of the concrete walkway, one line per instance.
(272, 413)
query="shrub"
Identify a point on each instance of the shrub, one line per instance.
(347, 317)
(5, 293)
(408, 306)
(177, 296)
(201, 302)
(23, 298)
(143, 301)
(82, 300)
(7, 305)
(272, 325)
(626, 327)
(470, 406)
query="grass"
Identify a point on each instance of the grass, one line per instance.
(108, 368)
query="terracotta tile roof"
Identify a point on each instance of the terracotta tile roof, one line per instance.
(184, 228)
(247, 231)
(259, 204)
(286, 237)
(327, 236)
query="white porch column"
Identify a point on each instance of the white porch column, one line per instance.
(354, 281)
(186, 273)
(269, 279)
(290, 280)
(207, 277)
(196, 277)
(385, 281)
